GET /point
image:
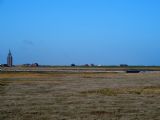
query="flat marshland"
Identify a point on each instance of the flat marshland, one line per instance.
(79, 96)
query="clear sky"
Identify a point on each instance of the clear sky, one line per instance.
(61, 32)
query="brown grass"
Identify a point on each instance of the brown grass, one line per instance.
(117, 91)
(77, 96)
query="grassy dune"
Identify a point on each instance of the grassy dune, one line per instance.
(79, 96)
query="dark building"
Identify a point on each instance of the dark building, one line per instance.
(34, 65)
(73, 65)
(4, 65)
(123, 65)
(133, 71)
(9, 59)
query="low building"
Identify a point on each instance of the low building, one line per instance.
(4, 65)
(35, 65)
(26, 65)
(133, 71)
(123, 65)
(73, 65)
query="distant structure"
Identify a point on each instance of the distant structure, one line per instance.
(34, 65)
(133, 71)
(123, 65)
(31, 65)
(9, 59)
(73, 65)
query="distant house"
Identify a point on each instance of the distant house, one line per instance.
(35, 65)
(92, 65)
(99, 65)
(89, 65)
(133, 71)
(73, 65)
(26, 65)
(86, 65)
(123, 65)
(31, 65)
(4, 65)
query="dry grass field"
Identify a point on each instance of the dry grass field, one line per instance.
(79, 96)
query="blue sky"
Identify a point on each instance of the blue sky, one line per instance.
(61, 32)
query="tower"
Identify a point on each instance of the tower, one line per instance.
(9, 59)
